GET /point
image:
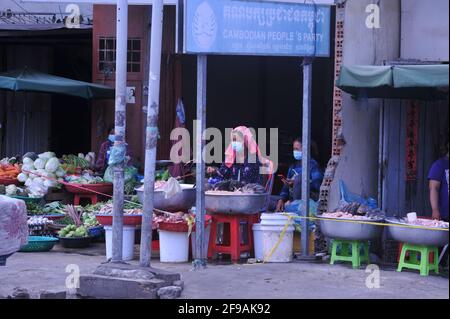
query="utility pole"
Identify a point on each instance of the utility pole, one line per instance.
(120, 126)
(151, 136)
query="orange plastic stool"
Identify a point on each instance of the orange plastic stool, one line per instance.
(234, 247)
(92, 197)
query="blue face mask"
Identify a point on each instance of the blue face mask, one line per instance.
(298, 155)
(112, 138)
(237, 146)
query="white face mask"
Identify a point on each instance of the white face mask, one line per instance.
(237, 146)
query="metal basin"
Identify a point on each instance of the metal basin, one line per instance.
(415, 236)
(235, 203)
(339, 229)
(179, 202)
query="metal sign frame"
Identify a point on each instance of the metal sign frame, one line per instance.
(183, 20)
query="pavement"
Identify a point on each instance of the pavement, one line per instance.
(296, 280)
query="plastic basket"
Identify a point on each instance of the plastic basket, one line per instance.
(29, 199)
(9, 181)
(75, 242)
(39, 244)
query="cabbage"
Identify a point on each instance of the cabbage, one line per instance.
(60, 172)
(49, 175)
(52, 165)
(28, 182)
(28, 161)
(49, 183)
(39, 180)
(47, 155)
(28, 167)
(11, 190)
(22, 177)
(39, 163)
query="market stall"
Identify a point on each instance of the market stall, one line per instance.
(418, 235)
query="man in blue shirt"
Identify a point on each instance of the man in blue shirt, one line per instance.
(439, 185)
(292, 186)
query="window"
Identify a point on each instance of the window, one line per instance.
(107, 54)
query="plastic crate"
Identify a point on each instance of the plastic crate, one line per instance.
(39, 244)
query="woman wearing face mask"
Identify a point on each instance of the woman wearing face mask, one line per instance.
(239, 165)
(292, 186)
(104, 152)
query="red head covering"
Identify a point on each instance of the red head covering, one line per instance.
(252, 148)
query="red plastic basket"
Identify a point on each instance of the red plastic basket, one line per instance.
(128, 220)
(105, 188)
(181, 227)
(9, 181)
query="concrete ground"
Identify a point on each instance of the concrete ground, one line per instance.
(297, 280)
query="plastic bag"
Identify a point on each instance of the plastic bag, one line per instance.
(37, 188)
(298, 207)
(130, 173)
(13, 225)
(118, 154)
(171, 188)
(348, 197)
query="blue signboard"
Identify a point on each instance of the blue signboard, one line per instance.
(243, 27)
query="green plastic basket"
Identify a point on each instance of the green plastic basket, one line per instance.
(38, 244)
(29, 199)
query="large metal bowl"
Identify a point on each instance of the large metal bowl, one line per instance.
(416, 236)
(235, 203)
(340, 229)
(179, 202)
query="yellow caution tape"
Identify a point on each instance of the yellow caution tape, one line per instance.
(274, 248)
(290, 217)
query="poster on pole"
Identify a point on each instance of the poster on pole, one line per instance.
(248, 27)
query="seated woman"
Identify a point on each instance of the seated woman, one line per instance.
(238, 165)
(292, 186)
(104, 153)
(105, 150)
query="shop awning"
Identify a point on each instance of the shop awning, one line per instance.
(426, 82)
(28, 80)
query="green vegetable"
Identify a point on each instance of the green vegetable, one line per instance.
(74, 160)
(130, 186)
(71, 231)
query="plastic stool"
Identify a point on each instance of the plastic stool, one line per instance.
(234, 247)
(92, 197)
(423, 265)
(350, 250)
(400, 247)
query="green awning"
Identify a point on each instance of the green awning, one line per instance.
(426, 82)
(28, 80)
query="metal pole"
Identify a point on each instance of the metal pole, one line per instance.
(200, 261)
(380, 156)
(24, 122)
(120, 125)
(151, 135)
(306, 147)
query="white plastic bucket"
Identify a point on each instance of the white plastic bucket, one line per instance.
(173, 247)
(276, 219)
(127, 245)
(205, 242)
(270, 236)
(258, 241)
